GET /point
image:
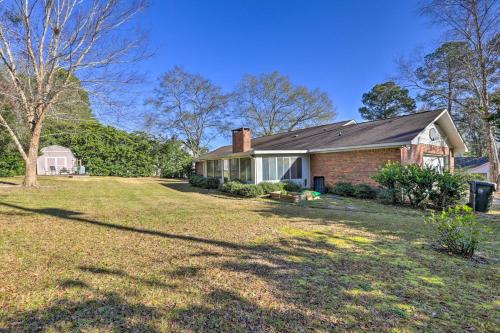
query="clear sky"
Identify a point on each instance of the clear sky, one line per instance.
(341, 47)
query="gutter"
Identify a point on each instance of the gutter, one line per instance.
(362, 147)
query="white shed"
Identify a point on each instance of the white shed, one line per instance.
(55, 160)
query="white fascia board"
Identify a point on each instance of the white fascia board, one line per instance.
(268, 152)
(225, 157)
(445, 112)
(350, 122)
(363, 147)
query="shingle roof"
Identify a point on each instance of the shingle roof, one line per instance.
(470, 162)
(341, 135)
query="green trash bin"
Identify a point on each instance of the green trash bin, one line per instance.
(481, 195)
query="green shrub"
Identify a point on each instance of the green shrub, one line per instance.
(448, 190)
(388, 177)
(420, 186)
(343, 189)
(268, 187)
(364, 191)
(291, 186)
(387, 196)
(204, 182)
(244, 190)
(457, 230)
(416, 183)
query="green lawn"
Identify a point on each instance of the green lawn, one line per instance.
(111, 254)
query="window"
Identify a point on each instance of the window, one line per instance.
(281, 168)
(440, 163)
(234, 167)
(246, 169)
(218, 169)
(226, 168)
(210, 168)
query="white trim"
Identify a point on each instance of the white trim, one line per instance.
(445, 111)
(264, 152)
(350, 122)
(363, 147)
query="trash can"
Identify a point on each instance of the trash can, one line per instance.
(481, 195)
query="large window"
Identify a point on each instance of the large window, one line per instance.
(218, 168)
(234, 168)
(246, 170)
(281, 168)
(210, 168)
(226, 168)
(439, 163)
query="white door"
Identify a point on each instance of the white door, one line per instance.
(55, 164)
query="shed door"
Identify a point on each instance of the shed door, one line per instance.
(319, 184)
(57, 162)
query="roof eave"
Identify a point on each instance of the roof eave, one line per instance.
(361, 147)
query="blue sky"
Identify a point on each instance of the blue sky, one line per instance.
(341, 47)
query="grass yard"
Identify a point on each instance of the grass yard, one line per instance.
(145, 255)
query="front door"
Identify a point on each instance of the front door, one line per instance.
(319, 184)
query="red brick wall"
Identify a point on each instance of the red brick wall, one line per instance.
(242, 140)
(415, 154)
(359, 166)
(198, 166)
(353, 166)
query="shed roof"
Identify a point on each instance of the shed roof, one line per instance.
(470, 162)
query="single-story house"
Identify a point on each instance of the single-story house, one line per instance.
(474, 165)
(54, 160)
(345, 151)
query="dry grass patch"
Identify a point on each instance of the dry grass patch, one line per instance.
(114, 254)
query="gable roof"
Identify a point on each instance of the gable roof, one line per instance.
(470, 162)
(342, 135)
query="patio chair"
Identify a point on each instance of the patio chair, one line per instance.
(52, 170)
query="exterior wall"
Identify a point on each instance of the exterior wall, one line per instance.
(59, 157)
(351, 166)
(359, 166)
(415, 154)
(199, 168)
(425, 137)
(482, 169)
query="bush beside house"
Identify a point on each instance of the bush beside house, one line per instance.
(420, 186)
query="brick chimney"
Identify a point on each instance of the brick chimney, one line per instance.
(242, 140)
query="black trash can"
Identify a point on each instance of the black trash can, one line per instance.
(481, 195)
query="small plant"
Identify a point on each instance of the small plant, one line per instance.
(268, 187)
(457, 230)
(364, 191)
(343, 189)
(291, 186)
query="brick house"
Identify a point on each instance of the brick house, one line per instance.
(345, 151)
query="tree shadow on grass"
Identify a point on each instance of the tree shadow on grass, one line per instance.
(123, 274)
(105, 312)
(312, 280)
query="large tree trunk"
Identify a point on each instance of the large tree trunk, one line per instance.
(30, 178)
(492, 153)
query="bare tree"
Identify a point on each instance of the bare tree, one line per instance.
(271, 104)
(44, 44)
(191, 108)
(475, 22)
